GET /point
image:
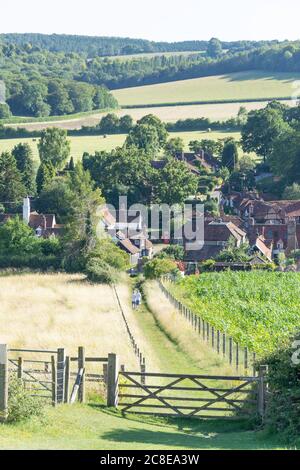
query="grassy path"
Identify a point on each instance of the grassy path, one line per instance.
(90, 427)
(94, 427)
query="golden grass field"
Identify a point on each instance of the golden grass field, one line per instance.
(236, 86)
(215, 112)
(47, 311)
(91, 144)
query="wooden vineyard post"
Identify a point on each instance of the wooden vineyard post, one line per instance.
(213, 337)
(67, 380)
(262, 391)
(3, 382)
(81, 365)
(224, 344)
(20, 368)
(54, 383)
(246, 359)
(218, 341)
(203, 330)
(60, 375)
(112, 381)
(230, 350)
(237, 357)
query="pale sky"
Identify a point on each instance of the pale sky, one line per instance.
(159, 20)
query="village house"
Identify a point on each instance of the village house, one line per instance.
(44, 225)
(193, 161)
(128, 232)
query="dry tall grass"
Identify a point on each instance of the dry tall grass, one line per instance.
(181, 332)
(59, 310)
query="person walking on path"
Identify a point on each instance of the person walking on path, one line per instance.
(134, 299)
(138, 298)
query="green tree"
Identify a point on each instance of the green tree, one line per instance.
(23, 156)
(285, 157)
(261, 131)
(17, 239)
(12, 189)
(214, 48)
(54, 147)
(174, 146)
(5, 111)
(175, 183)
(56, 198)
(144, 137)
(157, 267)
(46, 172)
(230, 155)
(160, 127)
(292, 192)
(58, 98)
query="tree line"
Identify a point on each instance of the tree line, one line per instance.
(43, 82)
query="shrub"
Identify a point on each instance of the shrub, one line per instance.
(175, 252)
(283, 410)
(157, 267)
(21, 405)
(208, 265)
(98, 270)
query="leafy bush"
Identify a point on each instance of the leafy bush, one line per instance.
(98, 270)
(207, 265)
(21, 405)
(283, 410)
(157, 267)
(175, 252)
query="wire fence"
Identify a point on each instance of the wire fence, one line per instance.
(237, 356)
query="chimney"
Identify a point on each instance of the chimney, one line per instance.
(26, 210)
(292, 242)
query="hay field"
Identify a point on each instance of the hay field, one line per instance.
(48, 311)
(237, 86)
(91, 144)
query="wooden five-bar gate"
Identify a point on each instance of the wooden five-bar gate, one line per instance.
(186, 395)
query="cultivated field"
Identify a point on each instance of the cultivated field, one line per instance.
(232, 87)
(90, 144)
(258, 309)
(47, 311)
(215, 112)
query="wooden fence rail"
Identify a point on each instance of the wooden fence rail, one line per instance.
(237, 356)
(48, 374)
(191, 396)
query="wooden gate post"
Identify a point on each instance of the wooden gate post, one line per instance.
(60, 375)
(261, 399)
(67, 380)
(112, 381)
(54, 381)
(81, 365)
(3, 382)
